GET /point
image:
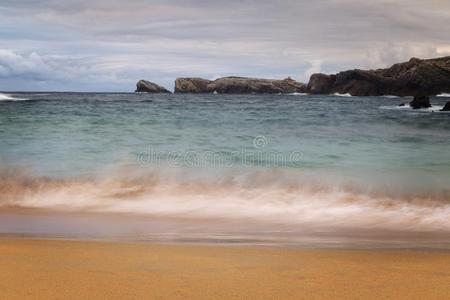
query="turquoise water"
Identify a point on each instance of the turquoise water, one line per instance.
(65, 134)
(261, 157)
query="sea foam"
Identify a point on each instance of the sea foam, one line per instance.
(6, 97)
(406, 107)
(291, 199)
(444, 95)
(342, 95)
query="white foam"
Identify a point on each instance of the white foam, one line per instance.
(443, 95)
(434, 108)
(298, 94)
(6, 97)
(253, 196)
(391, 96)
(342, 95)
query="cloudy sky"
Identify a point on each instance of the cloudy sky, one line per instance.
(107, 45)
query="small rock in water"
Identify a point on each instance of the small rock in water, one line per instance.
(446, 107)
(420, 102)
(402, 104)
(144, 86)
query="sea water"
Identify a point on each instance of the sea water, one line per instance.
(225, 167)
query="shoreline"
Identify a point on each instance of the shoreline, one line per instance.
(35, 223)
(337, 245)
(43, 269)
(233, 242)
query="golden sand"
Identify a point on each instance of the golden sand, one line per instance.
(46, 269)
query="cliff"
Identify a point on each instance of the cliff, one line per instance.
(239, 85)
(412, 78)
(191, 85)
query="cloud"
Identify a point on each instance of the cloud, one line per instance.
(34, 69)
(12, 64)
(396, 52)
(315, 68)
(50, 67)
(110, 44)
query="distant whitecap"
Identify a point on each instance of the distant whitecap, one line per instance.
(5, 97)
(297, 94)
(444, 95)
(342, 95)
(434, 108)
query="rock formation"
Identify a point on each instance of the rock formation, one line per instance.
(191, 85)
(416, 77)
(446, 107)
(412, 78)
(420, 102)
(150, 87)
(321, 83)
(243, 85)
(239, 85)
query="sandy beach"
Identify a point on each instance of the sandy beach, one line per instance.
(57, 269)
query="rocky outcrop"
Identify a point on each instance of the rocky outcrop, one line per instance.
(446, 107)
(239, 85)
(420, 102)
(412, 78)
(191, 85)
(145, 86)
(321, 84)
(244, 85)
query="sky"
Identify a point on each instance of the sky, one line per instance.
(108, 45)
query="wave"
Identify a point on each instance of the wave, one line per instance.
(6, 97)
(342, 95)
(406, 107)
(273, 197)
(443, 95)
(298, 94)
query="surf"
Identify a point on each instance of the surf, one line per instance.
(8, 97)
(274, 197)
(342, 95)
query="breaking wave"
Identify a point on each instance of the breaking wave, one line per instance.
(444, 95)
(6, 97)
(298, 94)
(283, 197)
(342, 95)
(406, 107)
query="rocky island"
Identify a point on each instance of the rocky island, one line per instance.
(145, 86)
(239, 85)
(417, 77)
(194, 85)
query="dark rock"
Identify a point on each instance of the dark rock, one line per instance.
(191, 85)
(239, 85)
(289, 86)
(446, 107)
(321, 83)
(150, 87)
(402, 104)
(415, 77)
(420, 102)
(356, 83)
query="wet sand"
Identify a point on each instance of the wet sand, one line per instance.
(57, 269)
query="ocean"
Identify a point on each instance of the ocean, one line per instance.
(268, 169)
